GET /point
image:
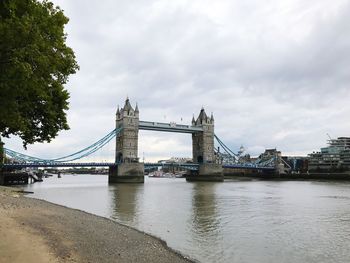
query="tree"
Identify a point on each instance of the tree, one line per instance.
(2, 155)
(34, 65)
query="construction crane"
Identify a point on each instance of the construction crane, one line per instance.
(329, 136)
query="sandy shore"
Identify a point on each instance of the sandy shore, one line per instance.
(33, 230)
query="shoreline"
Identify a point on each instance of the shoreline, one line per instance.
(290, 177)
(46, 232)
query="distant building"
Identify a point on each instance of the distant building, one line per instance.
(269, 154)
(334, 158)
(176, 160)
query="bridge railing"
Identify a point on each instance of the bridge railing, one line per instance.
(172, 126)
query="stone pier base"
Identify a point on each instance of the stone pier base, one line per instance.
(126, 173)
(209, 172)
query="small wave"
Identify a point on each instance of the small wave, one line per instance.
(335, 197)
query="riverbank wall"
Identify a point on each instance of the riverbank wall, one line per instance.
(301, 176)
(7, 178)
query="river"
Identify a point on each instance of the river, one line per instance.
(233, 221)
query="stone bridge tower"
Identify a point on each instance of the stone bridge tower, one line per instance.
(203, 150)
(127, 169)
(203, 142)
(127, 140)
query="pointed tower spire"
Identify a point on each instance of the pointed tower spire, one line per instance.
(136, 108)
(127, 105)
(193, 120)
(202, 118)
(212, 118)
(118, 112)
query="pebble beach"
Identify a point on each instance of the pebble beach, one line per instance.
(34, 230)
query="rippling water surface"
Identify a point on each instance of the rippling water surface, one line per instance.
(233, 221)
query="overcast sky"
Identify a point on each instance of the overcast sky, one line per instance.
(274, 73)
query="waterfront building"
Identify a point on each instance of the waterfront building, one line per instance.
(269, 153)
(333, 158)
(176, 160)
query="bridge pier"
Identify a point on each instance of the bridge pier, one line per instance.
(126, 173)
(208, 172)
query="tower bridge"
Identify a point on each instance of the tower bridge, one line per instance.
(129, 169)
(208, 162)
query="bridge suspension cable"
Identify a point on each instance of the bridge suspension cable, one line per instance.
(106, 138)
(226, 149)
(235, 160)
(67, 158)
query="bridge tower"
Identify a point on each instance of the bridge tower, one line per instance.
(203, 142)
(203, 150)
(127, 169)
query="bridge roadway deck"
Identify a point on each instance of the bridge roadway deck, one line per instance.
(248, 167)
(168, 127)
(36, 165)
(149, 165)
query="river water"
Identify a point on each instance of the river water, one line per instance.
(233, 221)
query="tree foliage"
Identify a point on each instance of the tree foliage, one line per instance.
(34, 65)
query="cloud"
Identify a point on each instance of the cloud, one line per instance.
(275, 73)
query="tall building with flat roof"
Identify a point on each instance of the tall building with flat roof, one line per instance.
(335, 157)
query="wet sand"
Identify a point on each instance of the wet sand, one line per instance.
(33, 230)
